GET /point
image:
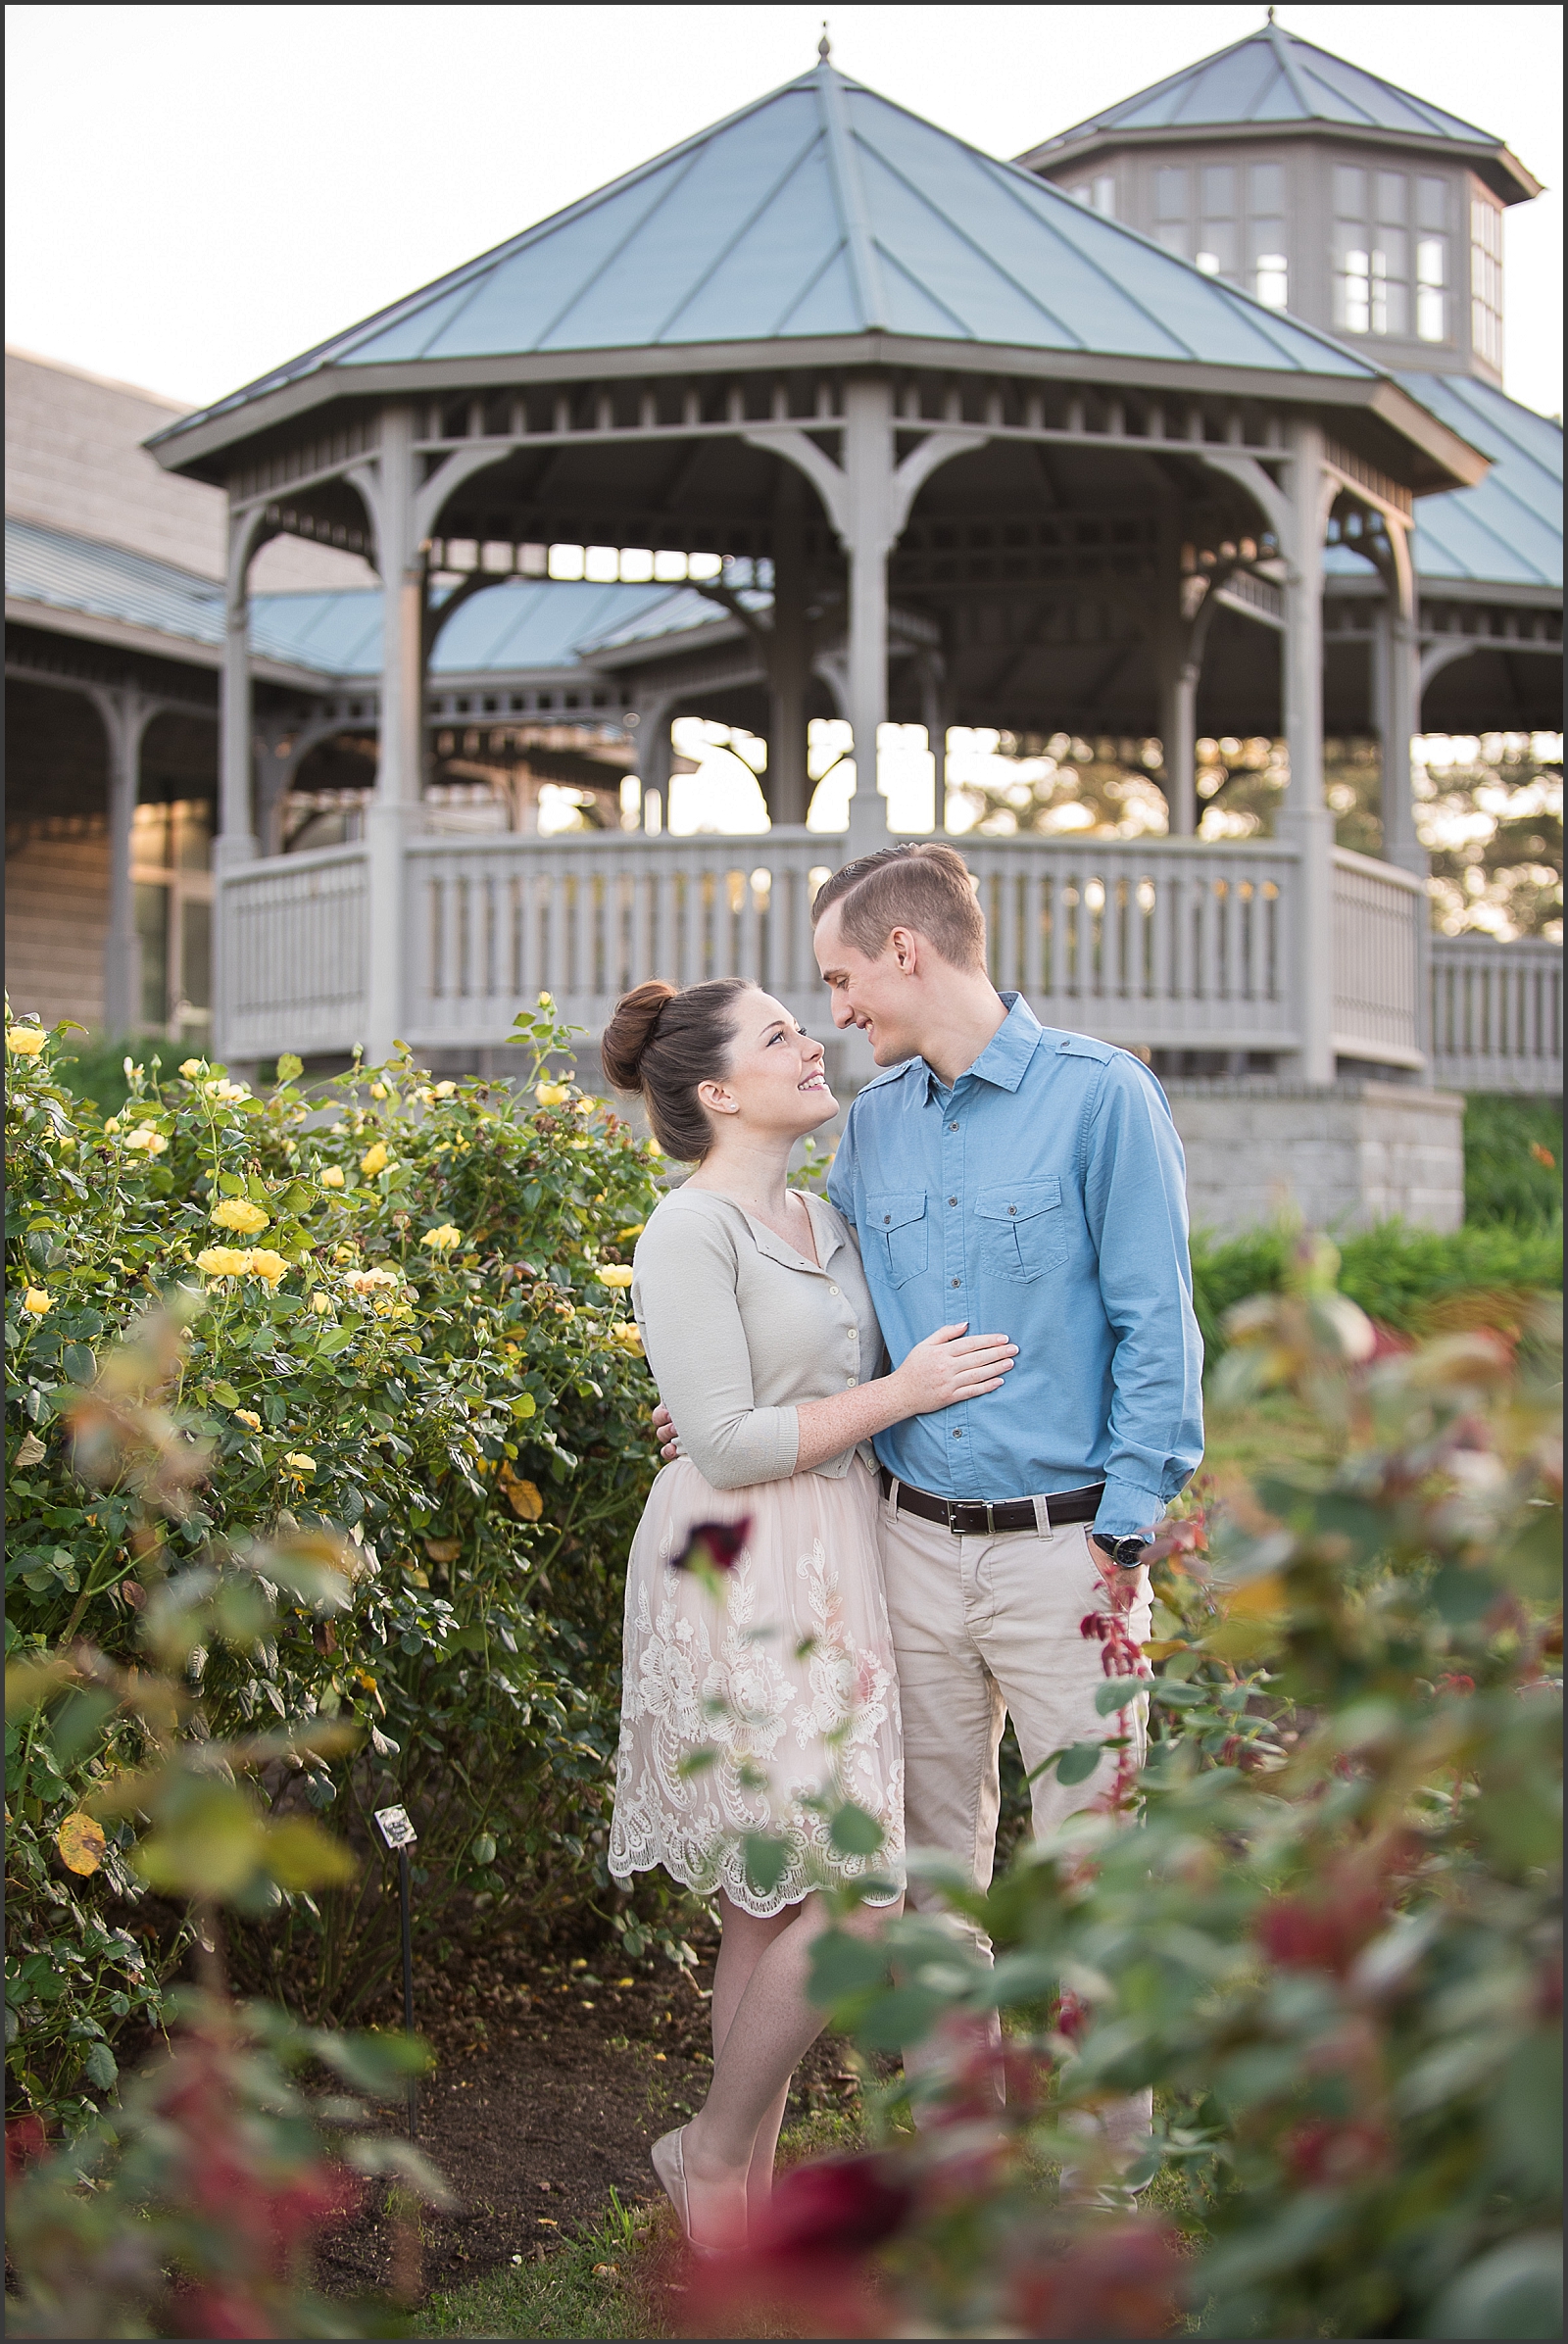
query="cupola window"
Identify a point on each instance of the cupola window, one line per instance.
(1486, 279)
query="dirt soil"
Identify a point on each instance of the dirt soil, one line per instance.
(554, 2078)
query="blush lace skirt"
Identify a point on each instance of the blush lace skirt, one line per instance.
(766, 1706)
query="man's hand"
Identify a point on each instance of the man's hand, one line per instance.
(1122, 1585)
(665, 1435)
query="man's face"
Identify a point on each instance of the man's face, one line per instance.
(880, 997)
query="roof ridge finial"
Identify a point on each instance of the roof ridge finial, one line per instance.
(824, 47)
(1269, 12)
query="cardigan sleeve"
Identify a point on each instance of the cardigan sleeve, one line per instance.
(684, 1298)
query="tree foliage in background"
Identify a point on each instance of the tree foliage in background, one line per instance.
(1334, 1947)
(1489, 810)
(401, 1316)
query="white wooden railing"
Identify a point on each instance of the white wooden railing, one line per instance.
(1165, 944)
(292, 954)
(1148, 941)
(1378, 912)
(1497, 1015)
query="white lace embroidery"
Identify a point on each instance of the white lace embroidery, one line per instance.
(794, 1728)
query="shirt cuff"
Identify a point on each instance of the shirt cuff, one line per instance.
(1126, 1510)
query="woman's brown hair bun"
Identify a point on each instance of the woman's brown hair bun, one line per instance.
(664, 1043)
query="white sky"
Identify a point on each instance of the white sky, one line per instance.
(195, 193)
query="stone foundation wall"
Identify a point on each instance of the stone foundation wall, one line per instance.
(1346, 1157)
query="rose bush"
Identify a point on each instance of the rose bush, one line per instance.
(1334, 1946)
(396, 1317)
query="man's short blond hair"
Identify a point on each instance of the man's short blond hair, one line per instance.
(925, 887)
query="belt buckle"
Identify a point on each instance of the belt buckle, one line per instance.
(956, 1505)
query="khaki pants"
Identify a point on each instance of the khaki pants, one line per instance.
(983, 1628)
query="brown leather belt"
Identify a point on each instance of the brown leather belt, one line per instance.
(969, 1519)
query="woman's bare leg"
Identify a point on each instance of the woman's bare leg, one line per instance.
(771, 2025)
(745, 1939)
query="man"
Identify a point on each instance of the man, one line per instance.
(1015, 1177)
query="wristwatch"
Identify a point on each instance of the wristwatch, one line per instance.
(1128, 1554)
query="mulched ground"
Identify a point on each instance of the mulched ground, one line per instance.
(554, 2078)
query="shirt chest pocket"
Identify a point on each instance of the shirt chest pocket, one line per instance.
(900, 1231)
(1021, 1230)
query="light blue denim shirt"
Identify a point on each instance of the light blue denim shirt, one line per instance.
(1041, 1197)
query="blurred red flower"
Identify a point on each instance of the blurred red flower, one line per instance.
(1117, 2281)
(715, 1543)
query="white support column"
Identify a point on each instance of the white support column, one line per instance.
(867, 538)
(789, 789)
(237, 818)
(1308, 820)
(934, 717)
(1178, 730)
(656, 757)
(1397, 704)
(393, 809)
(127, 715)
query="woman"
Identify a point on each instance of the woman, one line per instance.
(763, 1712)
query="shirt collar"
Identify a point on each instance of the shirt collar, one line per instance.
(1005, 1060)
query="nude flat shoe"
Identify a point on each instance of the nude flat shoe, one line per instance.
(669, 2164)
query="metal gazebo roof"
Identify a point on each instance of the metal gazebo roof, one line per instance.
(1274, 80)
(819, 211)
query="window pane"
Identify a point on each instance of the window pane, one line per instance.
(1265, 187)
(1219, 190)
(1392, 196)
(152, 926)
(1349, 191)
(1082, 195)
(1106, 195)
(1172, 233)
(196, 955)
(1271, 281)
(1431, 202)
(1217, 242)
(1431, 261)
(193, 831)
(1431, 315)
(1392, 253)
(1171, 193)
(149, 837)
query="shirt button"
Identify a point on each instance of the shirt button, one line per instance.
(851, 1380)
(953, 1199)
(958, 1436)
(958, 1280)
(832, 1289)
(1013, 1211)
(952, 1127)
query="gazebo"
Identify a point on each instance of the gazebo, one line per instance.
(958, 448)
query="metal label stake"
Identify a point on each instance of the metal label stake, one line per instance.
(400, 1836)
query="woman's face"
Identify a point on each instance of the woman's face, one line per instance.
(776, 1081)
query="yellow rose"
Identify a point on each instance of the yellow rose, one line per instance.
(222, 1261)
(551, 1095)
(298, 1462)
(617, 1274)
(629, 1337)
(585, 1106)
(652, 1148)
(38, 1301)
(378, 1090)
(225, 1093)
(445, 1091)
(190, 1068)
(240, 1214)
(146, 1140)
(374, 1159)
(248, 1416)
(331, 1176)
(579, 1143)
(321, 1302)
(25, 1041)
(623, 1235)
(261, 1263)
(546, 1001)
(443, 1238)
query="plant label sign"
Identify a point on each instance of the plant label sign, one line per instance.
(395, 1828)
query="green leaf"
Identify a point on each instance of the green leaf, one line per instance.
(1079, 1763)
(1117, 1692)
(99, 2066)
(766, 1861)
(854, 1833)
(289, 1068)
(904, 2015)
(224, 1394)
(231, 1184)
(842, 1964)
